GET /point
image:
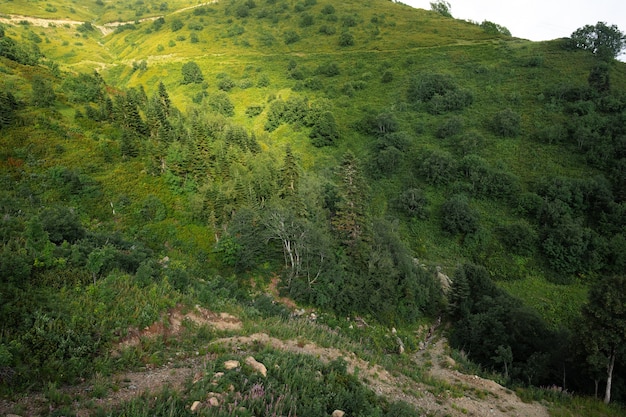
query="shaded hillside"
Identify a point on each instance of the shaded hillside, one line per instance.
(351, 153)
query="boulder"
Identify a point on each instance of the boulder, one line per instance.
(257, 366)
(214, 402)
(338, 413)
(195, 406)
(228, 365)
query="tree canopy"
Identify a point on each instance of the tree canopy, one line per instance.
(605, 41)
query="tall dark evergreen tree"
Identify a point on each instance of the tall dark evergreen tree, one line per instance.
(350, 219)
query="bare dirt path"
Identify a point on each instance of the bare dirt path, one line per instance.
(482, 397)
(106, 28)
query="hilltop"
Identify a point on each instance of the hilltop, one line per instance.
(381, 168)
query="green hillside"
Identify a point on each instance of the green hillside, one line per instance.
(264, 156)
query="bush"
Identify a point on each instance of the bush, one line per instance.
(327, 30)
(438, 167)
(450, 101)
(192, 73)
(226, 84)
(328, 9)
(424, 87)
(519, 238)
(220, 103)
(470, 142)
(306, 20)
(254, 110)
(349, 21)
(387, 77)
(324, 131)
(412, 203)
(62, 224)
(176, 25)
(457, 216)
(291, 36)
(346, 39)
(494, 29)
(450, 127)
(506, 123)
(330, 69)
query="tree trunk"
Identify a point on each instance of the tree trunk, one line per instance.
(609, 377)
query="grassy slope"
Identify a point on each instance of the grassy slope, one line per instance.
(387, 37)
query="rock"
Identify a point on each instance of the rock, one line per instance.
(445, 280)
(218, 375)
(257, 366)
(228, 365)
(214, 402)
(195, 406)
(400, 345)
(338, 413)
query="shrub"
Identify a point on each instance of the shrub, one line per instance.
(306, 20)
(387, 77)
(412, 203)
(176, 25)
(192, 73)
(349, 21)
(263, 81)
(346, 39)
(330, 69)
(242, 11)
(470, 142)
(457, 216)
(328, 9)
(43, 94)
(327, 30)
(254, 110)
(438, 167)
(494, 29)
(324, 131)
(450, 127)
(506, 123)
(226, 84)
(220, 103)
(451, 101)
(520, 238)
(291, 36)
(424, 87)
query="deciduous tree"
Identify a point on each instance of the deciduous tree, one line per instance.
(604, 325)
(607, 42)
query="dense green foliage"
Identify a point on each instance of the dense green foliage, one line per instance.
(327, 146)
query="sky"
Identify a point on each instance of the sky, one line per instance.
(537, 20)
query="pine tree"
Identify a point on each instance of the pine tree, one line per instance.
(164, 99)
(350, 219)
(289, 175)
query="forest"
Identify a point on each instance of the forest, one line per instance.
(370, 162)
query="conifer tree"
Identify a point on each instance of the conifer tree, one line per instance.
(350, 221)
(289, 175)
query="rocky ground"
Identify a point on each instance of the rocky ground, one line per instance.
(448, 393)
